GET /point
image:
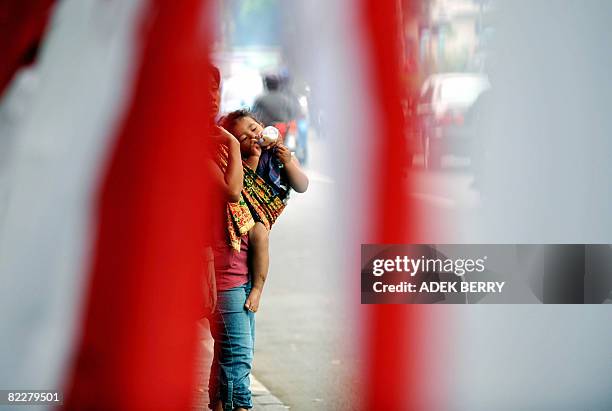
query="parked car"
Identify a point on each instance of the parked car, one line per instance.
(444, 101)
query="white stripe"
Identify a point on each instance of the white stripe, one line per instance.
(326, 43)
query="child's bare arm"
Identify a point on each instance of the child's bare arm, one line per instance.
(297, 178)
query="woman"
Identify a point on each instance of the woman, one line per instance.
(232, 325)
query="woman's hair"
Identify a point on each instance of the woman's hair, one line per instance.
(229, 121)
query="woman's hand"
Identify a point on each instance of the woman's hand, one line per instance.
(283, 154)
(222, 136)
(252, 302)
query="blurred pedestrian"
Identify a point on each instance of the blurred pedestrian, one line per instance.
(274, 105)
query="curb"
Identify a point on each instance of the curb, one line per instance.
(263, 399)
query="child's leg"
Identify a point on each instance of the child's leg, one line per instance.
(258, 245)
(260, 262)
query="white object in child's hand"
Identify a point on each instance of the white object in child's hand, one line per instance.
(269, 135)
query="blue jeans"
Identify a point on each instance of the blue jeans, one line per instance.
(233, 329)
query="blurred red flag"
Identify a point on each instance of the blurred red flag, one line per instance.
(139, 341)
(393, 348)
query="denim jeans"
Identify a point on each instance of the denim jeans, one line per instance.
(233, 329)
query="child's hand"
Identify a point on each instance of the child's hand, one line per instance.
(252, 302)
(252, 157)
(278, 142)
(255, 148)
(270, 146)
(283, 154)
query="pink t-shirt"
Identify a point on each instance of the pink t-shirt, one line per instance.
(231, 267)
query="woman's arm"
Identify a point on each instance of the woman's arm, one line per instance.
(297, 178)
(230, 181)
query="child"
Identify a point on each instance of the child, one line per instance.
(269, 174)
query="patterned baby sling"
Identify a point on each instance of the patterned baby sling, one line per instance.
(258, 203)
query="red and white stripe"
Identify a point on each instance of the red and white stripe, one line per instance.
(102, 236)
(101, 242)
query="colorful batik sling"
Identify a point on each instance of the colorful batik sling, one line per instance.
(264, 203)
(258, 202)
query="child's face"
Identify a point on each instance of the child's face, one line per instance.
(247, 131)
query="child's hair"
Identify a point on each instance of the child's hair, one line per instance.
(229, 121)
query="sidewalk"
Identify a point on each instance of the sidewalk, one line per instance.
(263, 399)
